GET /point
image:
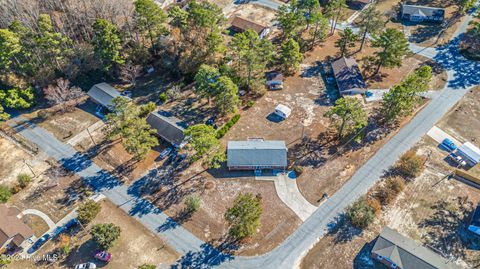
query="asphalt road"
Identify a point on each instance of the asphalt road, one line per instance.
(462, 75)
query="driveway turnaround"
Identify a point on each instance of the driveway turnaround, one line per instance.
(40, 214)
(439, 135)
(289, 193)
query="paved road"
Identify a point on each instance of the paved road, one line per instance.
(462, 75)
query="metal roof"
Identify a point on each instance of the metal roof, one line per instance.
(256, 153)
(103, 94)
(168, 128)
(422, 10)
(471, 151)
(407, 253)
(348, 75)
(283, 108)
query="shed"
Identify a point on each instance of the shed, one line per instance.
(103, 94)
(348, 76)
(474, 225)
(168, 128)
(274, 80)
(13, 232)
(397, 251)
(256, 154)
(416, 13)
(240, 24)
(470, 151)
(283, 111)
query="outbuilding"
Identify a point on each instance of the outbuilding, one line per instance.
(470, 152)
(169, 128)
(283, 111)
(256, 154)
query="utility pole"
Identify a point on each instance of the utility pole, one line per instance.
(91, 137)
(29, 167)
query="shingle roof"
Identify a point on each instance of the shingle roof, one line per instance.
(245, 24)
(103, 94)
(11, 226)
(256, 153)
(421, 10)
(407, 253)
(168, 128)
(348, 74)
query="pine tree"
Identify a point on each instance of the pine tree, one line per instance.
(291, 57)
(107, 44)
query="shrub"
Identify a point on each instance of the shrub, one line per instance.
(147, 266)
(5, 193)
(250, 103)
(105, 234)
(88, 211)
(298, 170)
(411, 164)
(375, 204)
(193, 203)
(396, 184)
(163, 97)
(24, 180)
(361, 213)
(222, 131)
(44, 114)
(387, 192)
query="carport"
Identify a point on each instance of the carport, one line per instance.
(470, 152)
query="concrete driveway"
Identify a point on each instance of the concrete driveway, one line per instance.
(439, 135)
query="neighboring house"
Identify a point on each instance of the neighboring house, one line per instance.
(474, 225)
(415, 13)
(348, 76)
(103, 95)
(256, 154)
(169, 128)
(240, 24)
(13, 232)
(470, 152)
(397, 251)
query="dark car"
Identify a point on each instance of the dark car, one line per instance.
(39, 243)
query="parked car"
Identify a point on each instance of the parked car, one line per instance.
(88, 265)
(449, 144)
(165, 153)
(103, 256)
(458, 159)
(42, 240)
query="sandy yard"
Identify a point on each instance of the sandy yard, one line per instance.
(253, 12)
(432, 209)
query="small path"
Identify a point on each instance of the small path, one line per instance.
(45, 217)
(288, 192)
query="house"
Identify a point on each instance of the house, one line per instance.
(397, 251)
(415, 13)
(474, 225)
(240, 24)
(283, 111)
(348, 76)
(470, 152)
(103, 95)
(256, 154)
(13, 232)
(274, 81)
(169, 128)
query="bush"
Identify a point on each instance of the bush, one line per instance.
(222, 131)
(250, 103)
(411, 164)
(163, 97)
(44, 114)
(5, 193)
(147, 266)
(386, 193)
(24, 180)
(193, 203)
(361, 213)
(105, 234)
(88, 211)
(298, 170)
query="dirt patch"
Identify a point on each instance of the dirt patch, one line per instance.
(38, 225)
(253, 12)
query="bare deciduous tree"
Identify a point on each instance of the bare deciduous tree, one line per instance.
(129, 73)
(63, 95)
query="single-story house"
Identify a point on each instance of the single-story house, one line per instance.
(240, 24)
(416, 13)
(256, 154)
(103, 95)
(348, 76)
(397, 251)
(470, 152)
(169, 128)
(13, 232)
(474, 225)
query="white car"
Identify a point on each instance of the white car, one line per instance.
(88, 265)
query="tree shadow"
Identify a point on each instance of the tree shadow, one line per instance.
(342, 230)
(363, 258)
(208, 256)
(173, 222)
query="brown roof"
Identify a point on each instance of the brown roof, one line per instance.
(244, 24)
(12, 226)
(348, 74)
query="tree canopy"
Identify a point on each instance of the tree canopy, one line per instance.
(348, 116)
(105, 234)
(244, 215)
(393, 47)
(206, 145)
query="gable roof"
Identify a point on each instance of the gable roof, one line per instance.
(103, 94)
(348, 74)
(471, 151)
(245, 24)
(12, 227)
(168, 128)
(422, 10)
(256, 153)
(407, 253)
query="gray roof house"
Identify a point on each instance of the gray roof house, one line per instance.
(422, 13)
(168, 128)
(397, 251)
(256, 154)
(103, 94)
(348, 76)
